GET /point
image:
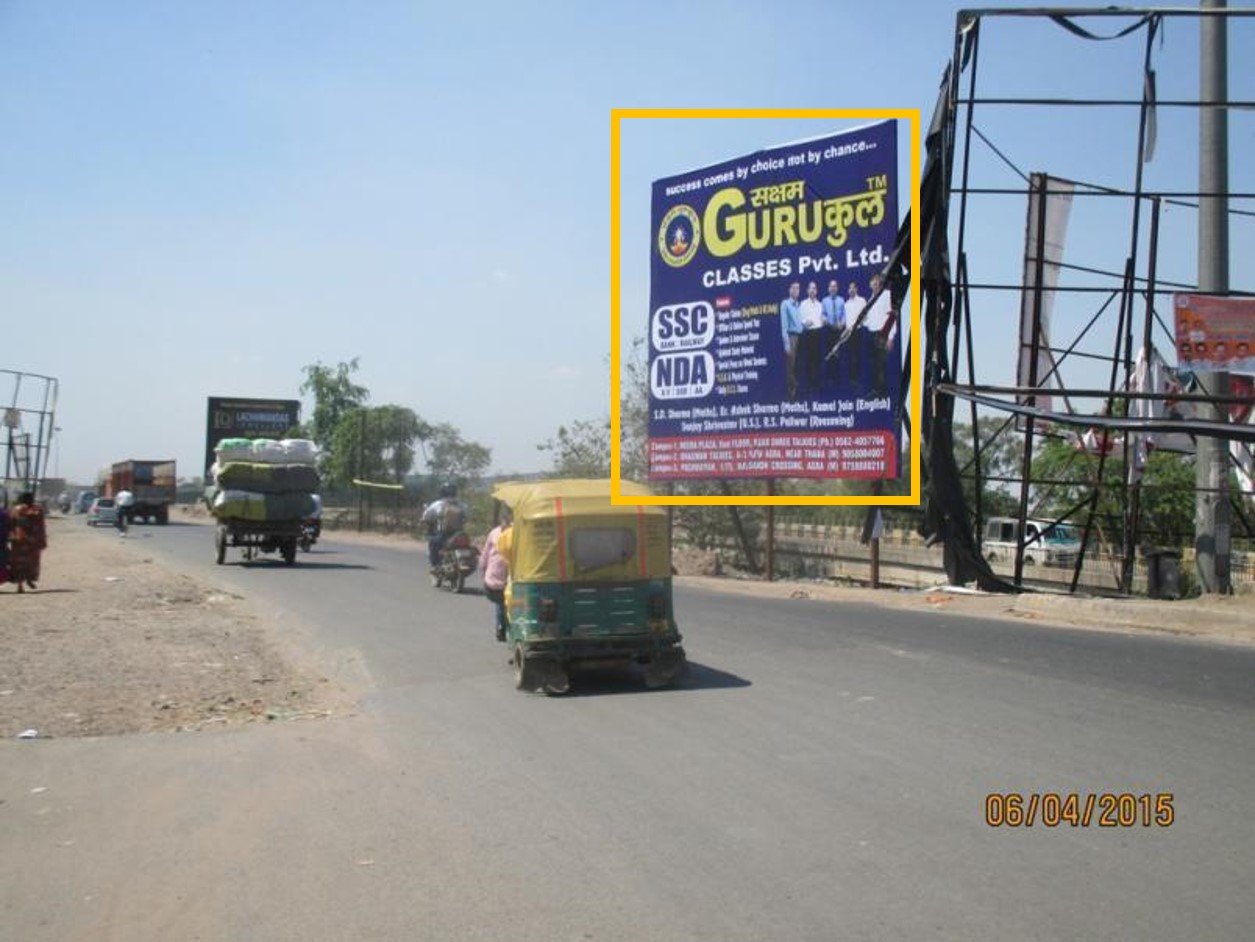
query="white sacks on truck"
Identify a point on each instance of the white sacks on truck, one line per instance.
(263, 479)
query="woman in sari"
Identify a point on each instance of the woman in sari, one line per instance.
(4, 539)
(27, 538)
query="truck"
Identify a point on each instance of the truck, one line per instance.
(153, 485)
(263, 496)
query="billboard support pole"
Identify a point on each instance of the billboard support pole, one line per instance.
(750, 559)
(1042, 188)
(361, 470)
(771, 532)
(878, 488)
(671, 515)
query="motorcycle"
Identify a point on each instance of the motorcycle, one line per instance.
(311, 529)
(458, 559)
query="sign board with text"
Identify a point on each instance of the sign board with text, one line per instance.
(765, 357)
(247, 418)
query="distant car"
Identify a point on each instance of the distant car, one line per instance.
(1054, 544)
(102, 510)
(83, 502)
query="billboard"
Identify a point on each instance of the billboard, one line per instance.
(1215, 333)
(247, 418)
(765, 357)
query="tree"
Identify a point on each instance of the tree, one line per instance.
(1001, 464)
(634, 413)
(335, 395)
(453, 459)
(1167, 491)
(580, 450)
(374, 444)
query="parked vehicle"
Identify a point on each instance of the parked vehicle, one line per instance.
(458, 559)
(153, 484)
(590, 583)
(1051, 544)
(102, 511)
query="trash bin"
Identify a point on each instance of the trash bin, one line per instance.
(1163, 574)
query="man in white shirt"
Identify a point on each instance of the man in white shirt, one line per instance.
(880, 328)
(122, 504)
(854, 304)
(811, 344)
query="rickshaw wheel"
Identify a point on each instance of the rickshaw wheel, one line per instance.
(435, 578)
(459, 582)
(521, 674)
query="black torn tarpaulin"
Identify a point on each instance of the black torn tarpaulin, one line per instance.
(1067, 23)
(946, 516)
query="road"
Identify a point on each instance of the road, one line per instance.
(821, 775)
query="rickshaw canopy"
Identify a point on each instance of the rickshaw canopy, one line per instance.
(567, 530)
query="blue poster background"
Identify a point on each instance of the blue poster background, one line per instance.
(743, 254)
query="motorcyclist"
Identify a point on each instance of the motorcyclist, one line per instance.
(311, 525)
(443, 518)
(314, 520)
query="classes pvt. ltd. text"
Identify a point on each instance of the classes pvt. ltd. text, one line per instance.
(826, 263)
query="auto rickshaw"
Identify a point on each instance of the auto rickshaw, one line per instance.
(590, 583)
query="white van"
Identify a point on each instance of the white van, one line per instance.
(1048, 544)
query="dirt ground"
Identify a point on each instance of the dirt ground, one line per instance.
(113, 641)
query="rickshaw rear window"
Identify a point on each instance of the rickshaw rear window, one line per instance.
(595, 547)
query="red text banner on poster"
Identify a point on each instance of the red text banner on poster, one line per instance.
(858, 454)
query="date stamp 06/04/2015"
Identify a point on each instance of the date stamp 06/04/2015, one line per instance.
(1079, 809)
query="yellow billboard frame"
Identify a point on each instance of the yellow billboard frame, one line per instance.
(620, 114)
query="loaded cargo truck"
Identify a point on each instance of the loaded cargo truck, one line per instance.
(263, 494)
(153, 484)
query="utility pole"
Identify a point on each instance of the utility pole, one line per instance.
(1211, 516)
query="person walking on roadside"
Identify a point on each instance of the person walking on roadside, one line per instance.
(494, 569)
(28, 537)
(4, 537)
(122, 504)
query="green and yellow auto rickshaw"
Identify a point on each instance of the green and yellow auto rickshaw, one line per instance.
(590, 583)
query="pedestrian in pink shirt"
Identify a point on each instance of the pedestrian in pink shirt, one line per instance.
(495, 571)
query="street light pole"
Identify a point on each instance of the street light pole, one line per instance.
(1211, 482)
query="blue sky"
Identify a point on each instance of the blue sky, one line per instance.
(200, 199)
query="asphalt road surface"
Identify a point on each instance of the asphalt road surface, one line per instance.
(822, 774)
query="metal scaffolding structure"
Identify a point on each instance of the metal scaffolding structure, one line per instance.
(29, 425)
(1118, 298)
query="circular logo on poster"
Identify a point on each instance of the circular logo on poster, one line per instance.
(679, 236)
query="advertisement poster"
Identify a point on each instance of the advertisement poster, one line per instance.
(248, 418)
(1215, 333)
(765, 357)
